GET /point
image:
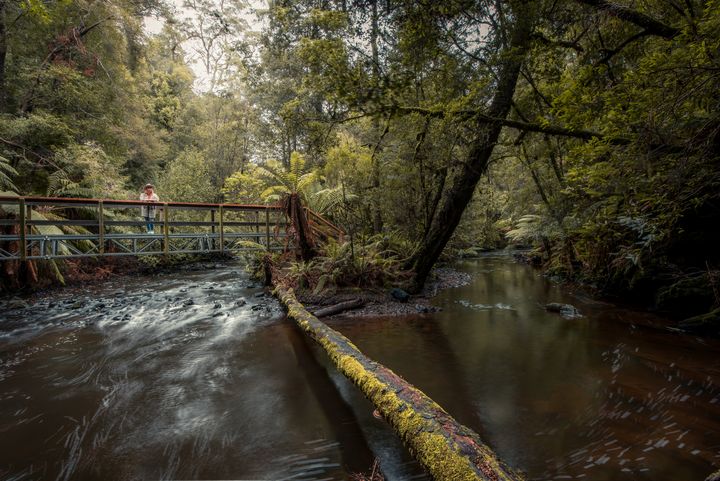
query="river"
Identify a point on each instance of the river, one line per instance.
(197, 375)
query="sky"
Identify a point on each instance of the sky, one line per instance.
(153, 26)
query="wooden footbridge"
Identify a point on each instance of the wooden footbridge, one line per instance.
(56, 228)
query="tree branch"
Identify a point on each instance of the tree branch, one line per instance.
(652, 26)
(611, 53)
(516, 124)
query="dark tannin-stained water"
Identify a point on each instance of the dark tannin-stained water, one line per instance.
(194, 375)
(602, 397)
(191, 375)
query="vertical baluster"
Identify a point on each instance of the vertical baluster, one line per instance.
(222, 233)
(166, 229)
(101, 229)
(212, 229)
(267, 228)
(23, 240)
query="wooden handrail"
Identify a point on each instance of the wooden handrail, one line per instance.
(323, 220)
(37, 200)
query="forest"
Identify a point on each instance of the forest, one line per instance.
(587, 130)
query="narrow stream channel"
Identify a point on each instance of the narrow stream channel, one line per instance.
(196, 375)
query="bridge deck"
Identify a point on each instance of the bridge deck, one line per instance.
(55, 228)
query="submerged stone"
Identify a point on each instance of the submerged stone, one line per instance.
(568, 311)
(17, 304)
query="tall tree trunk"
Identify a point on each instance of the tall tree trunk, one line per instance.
(3, 56)
(459, 194)
(375, 167)
(292, 206)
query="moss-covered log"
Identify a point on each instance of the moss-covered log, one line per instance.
(447, 449)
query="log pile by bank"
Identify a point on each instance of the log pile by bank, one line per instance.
(447, 449)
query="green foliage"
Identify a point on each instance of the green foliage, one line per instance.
(187, 179)
(374, 262)
(296, 179)
(6, 173)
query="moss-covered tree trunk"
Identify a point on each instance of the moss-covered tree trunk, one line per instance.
(457, 197)
(447, 449)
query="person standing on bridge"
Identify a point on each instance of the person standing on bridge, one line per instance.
(148, 211)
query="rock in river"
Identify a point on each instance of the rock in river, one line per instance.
(568, 311)
(399, 294)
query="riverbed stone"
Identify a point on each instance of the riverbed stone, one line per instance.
(399, 294)
(240, 302)
(16, 304)
(567, 311)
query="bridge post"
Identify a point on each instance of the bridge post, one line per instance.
(222, 233)
(212, 228)
(267, 228)
(101, 228)
(166, 230)
(23, 224)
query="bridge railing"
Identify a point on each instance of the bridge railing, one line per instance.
(48, 227)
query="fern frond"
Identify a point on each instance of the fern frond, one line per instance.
(297, 164)
(274, 193)
(7, 170)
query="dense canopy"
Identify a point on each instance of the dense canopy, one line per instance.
(589, 130)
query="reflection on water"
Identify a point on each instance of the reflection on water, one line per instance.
(594, 398)
(185, 376)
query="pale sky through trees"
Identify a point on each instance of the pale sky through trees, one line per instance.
(203, 81)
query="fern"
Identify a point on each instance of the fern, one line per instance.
(6, 171)
(295, 180)
(329, 200)
(60, 185)
(527, 228)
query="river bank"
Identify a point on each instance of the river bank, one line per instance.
(381, 302)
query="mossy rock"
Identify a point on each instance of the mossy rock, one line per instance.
(708, 323)
(688, 296)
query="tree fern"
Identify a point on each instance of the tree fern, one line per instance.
(527, 228)
(295, 180)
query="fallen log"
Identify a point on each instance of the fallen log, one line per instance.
(447, 449)
(338, 308)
